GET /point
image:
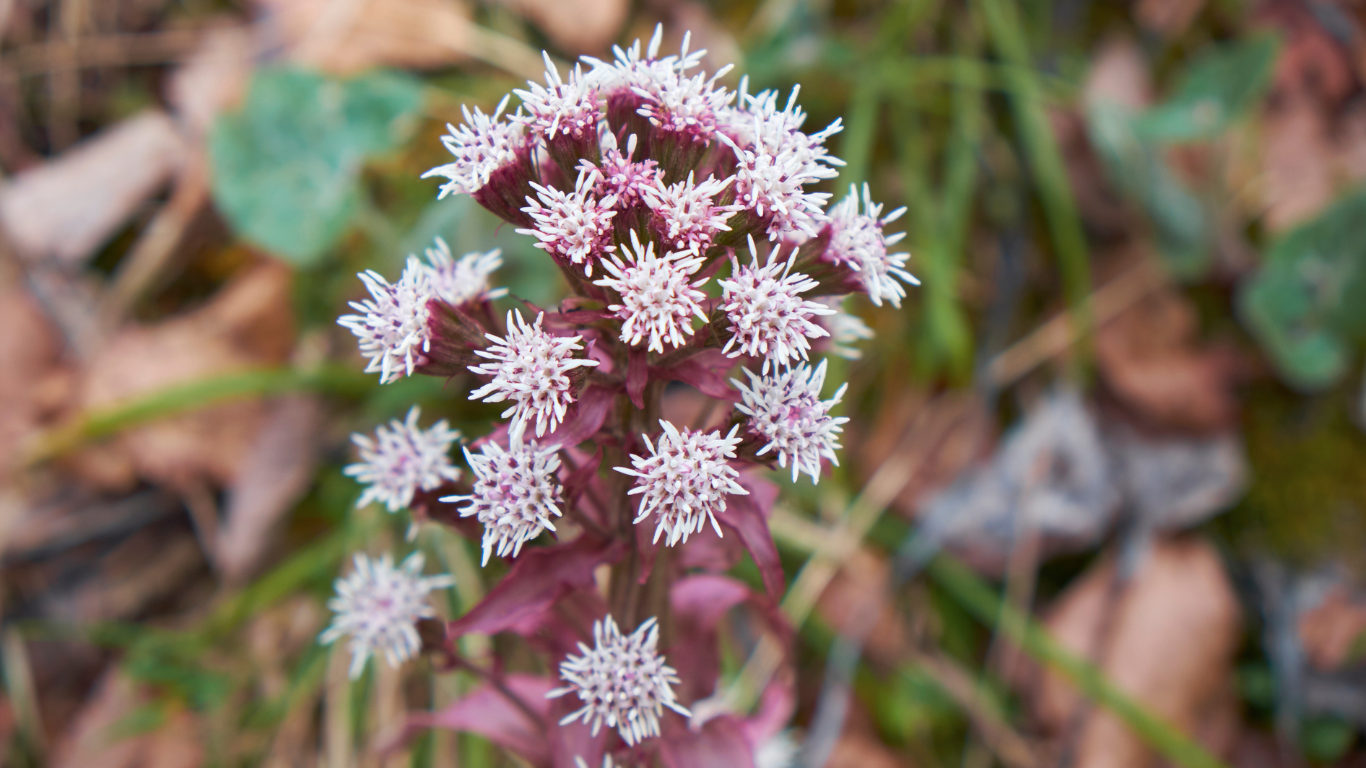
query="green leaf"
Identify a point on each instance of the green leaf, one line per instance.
(1217, 90)
(1308, 301)
(1137, 167)
(286, 167)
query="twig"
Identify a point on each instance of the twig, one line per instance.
(129, 50)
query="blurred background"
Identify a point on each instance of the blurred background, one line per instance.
(1113, 445)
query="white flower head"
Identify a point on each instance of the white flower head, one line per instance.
(459, 281)
(768, 317)
(402, 459)
(481, 146)
(379, 605)
(686, 214)
(633, 70)
(531, 368)
(617, 176)
(392, 325)
(622, 681)
(845, 329)
(658, 302)
(858, 242)
(515, 493)
(682, 105)
(560, 107)
(572, 226)
(685, 480)
(775, 161)
(786, 410)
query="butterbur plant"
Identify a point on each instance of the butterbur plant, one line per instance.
(698, 253)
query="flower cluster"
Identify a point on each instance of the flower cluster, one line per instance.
(689, 225)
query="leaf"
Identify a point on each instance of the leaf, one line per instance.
(1308, 301)
(719, 742)
(286, 167)
(537, 579)
(748, 517)
(699, 602)
(1138, 168)
(487, 712)
(1217, 89)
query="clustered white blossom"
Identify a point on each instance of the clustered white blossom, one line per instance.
(393, 327)
(531, 368)
(622, 681)
(768, 317)
(658, 296)
(515, 493)
(786, 410)
(378, 606)
(639, 176)
(484, 144)
(402, 459)
(685, 480)
(857, 241)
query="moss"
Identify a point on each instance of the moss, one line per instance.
(1306, 502)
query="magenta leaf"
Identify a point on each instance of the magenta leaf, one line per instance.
(488, 712)
(748, 517)
(705, 372)
(575, 739)
(584, 419)
(699, 602)
(538, 578)
(777, 704)
(719, 743)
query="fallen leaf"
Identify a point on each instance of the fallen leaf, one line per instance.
(1150, 358)
(1119, 75)
(355, 35)
(1177, 483)
(1170, 642)
(864, 576)
(1297, 162)
(33, 383)
(276, 472)
(1170, 18)
(576, 26)
(247, 325)
(1333, 631)
(214, 79)
(68, 208)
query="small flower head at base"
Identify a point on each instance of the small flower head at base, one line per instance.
(463, 280)
(786, 410)
(378, 606)
(391, 328)
(515, 493)
(685, 480)
(402, 459)
(531, 368)
(858, 243)
(622, 681)
(658, 297)
(768, 317)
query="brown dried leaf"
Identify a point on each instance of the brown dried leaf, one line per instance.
(33, 384)
(1297, 162)
(274, 475)
(345, 36)
(68, 208)
(1168, 17)
(214, 79)
(863, 577)
(1332, 631)
(1171, 638)
(248, 324)
(576, 26)
(1151, 361)
(1119, 75)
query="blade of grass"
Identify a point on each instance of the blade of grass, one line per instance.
(94, 425)
(1041, 150)
(978, 598)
